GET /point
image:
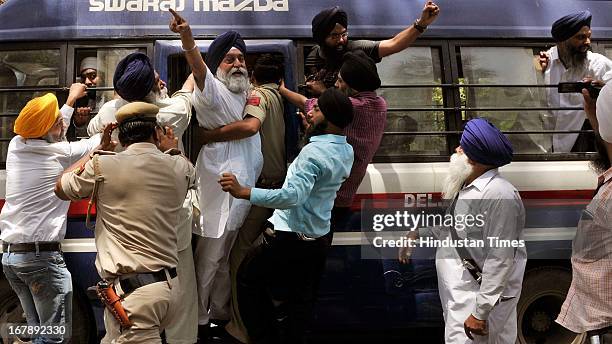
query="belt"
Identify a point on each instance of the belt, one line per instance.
(133, 282)
(31, 247)
(290, 236)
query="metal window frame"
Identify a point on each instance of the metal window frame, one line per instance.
(62, 47)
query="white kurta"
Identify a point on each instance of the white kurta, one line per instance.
(32, 212)
(216, 106)
(502, 277)
(596, 67)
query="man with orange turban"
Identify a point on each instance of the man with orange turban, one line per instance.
(33, 219)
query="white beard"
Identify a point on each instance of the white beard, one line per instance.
(234, 83)
(459, 170)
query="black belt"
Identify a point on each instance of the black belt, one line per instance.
(133, 282)
(31, 247)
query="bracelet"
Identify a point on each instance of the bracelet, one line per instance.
(188, 50)
(172, 151)
(420, 28)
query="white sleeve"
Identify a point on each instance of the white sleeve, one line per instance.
(210, 95)
(105, 116)
(176, 115)
(66, 111)
(79, 149)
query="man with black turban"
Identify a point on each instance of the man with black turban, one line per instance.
(359, 80)
(481, 273)
(330, 32)
(219, 99)
(276, 282)
(569, 61)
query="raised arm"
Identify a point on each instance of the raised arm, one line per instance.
(403, 39)
(293, 97)
(179, 25)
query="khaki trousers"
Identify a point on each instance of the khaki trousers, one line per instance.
(183, 327)
(149, 308)
(247, 237)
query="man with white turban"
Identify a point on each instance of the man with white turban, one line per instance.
(33, 219)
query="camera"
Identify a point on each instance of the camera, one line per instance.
(576, 87)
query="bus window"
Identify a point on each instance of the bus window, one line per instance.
(608, 51)
(408, 107)
(96, 68)
(498, 66)
(23, 68)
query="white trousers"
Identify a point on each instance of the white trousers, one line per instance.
(183, 327)
(213, 276)
(458, 296)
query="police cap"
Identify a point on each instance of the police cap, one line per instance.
(136, 110)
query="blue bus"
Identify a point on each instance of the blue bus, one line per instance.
(477, 59)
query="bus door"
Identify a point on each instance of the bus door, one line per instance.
(173, 68)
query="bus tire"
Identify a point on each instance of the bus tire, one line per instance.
(83, 330)
(544, 290)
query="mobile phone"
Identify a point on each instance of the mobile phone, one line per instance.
(576, 87)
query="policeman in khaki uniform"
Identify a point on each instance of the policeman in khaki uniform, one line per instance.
(139, 199)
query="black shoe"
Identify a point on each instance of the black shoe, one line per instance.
(218, 335)
(203, 334)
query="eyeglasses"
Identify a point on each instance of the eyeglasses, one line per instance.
(229, 59)
(336, 36)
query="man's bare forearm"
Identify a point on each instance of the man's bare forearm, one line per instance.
(194, 58)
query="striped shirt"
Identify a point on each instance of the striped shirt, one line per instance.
(588, 305)
(364, 133)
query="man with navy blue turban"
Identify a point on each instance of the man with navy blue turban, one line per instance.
(569, 61)
(134, 77)
(219, 99)
(479, 302)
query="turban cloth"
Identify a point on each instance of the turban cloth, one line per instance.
(484, 143)
(220, 46)
(323, 23)
(604, 113)
(359, 71)
(134, 77)
(37, 117)
(336, 107)
(564, 28)
(89, 63)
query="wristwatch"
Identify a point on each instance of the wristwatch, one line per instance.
(420, 28)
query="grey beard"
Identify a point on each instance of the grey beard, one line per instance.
(55, 139)
(236, 84)
(459, 170)
(571, 57)
(152, 97)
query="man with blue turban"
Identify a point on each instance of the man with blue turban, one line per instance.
(569, 61)
(481, 272)
(219, 99)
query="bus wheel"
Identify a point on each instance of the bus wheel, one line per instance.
(12, 312)
(544, 291)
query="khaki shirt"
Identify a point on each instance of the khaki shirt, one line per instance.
(138, 207)
(265, 104)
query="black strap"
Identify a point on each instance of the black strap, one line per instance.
(466, 258)
(31, 247)
(599, 185)
(133, 282)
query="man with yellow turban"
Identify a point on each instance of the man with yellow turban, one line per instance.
(33, 219)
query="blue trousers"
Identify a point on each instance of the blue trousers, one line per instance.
(44, 287)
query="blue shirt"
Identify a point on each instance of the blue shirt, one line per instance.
(305, 201)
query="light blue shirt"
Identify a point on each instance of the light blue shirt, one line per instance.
(305, 201)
